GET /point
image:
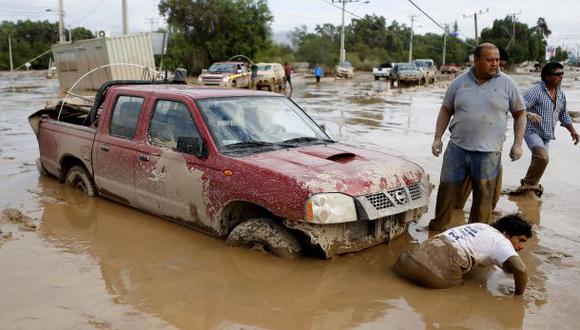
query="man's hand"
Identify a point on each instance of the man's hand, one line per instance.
(437, 147)
(516, 152)
(575, 137)
(534, 117)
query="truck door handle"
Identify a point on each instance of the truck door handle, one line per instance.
(144, 157)
(105, 147)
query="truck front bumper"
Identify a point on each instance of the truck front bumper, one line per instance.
(335, 239)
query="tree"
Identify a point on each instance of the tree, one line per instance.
(30, 39)
(525, 45)
(560, 55)
(205, 31)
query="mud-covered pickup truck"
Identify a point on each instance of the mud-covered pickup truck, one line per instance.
(227, 74)
(248, 166)
(382, 71)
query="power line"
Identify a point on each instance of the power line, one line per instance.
(428, 16)
(91, 11)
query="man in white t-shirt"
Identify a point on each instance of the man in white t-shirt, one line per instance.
(441, 261)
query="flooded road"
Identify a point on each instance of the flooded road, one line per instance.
(91, 263)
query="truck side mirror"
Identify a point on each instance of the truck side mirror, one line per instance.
(190, 145)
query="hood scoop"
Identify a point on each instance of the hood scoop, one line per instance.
(332, 154)
(343, 157)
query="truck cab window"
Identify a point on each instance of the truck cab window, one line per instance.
(171, 120)
(126, 116)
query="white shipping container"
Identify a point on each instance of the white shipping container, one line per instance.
(73, 60)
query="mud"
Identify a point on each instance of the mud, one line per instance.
(92, 263)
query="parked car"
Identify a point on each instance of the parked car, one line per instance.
(406, 74)
(382, 71)
(227, 74)
(449, 68)
(345, 69)
(271, 76)
(248, 166)
(428, 68)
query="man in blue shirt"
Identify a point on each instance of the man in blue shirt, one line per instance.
(318, 73)
(545, 104)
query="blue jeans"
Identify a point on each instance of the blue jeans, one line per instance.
(533, 140)
(459, 165)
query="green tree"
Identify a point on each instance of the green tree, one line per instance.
(30, 39)
(205, 31)
(560, 55)
(525, 45)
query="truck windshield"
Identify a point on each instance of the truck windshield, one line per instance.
(222, 67)
(255, 124)
(264, 68)
(402, 67)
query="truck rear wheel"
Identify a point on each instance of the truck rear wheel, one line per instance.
(266, 235)
(78, 178)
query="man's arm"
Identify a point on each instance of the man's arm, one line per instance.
(514, 265)
(519, 129)
(443, 119)
(573, 133)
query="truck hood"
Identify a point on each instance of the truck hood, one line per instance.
(338, 168)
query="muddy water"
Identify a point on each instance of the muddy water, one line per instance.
(92, 263)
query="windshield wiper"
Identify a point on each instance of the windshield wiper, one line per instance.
(305, 139)
(249, 144)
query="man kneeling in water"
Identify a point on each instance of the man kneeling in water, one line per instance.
(441, 261)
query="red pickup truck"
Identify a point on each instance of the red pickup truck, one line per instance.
(249, 166)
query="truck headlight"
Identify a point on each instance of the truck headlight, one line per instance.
(326, 208)
(225, 79)
(199, 79)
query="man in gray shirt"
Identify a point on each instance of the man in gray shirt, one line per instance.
(477, 104)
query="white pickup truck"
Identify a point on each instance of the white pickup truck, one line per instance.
(382, 71)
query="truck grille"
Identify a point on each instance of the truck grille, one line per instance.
(398, 196)
(379, 201)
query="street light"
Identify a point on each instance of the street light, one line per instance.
(61, 36)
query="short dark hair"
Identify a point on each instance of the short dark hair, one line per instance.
(479, 49)
(549, 68)
(513, 225)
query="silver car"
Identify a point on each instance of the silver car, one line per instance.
(345, 69)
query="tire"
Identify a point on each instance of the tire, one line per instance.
(376, 77)
(267, 235)
(234, 84)
(78, 178)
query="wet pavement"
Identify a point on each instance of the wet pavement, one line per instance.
(92, 263)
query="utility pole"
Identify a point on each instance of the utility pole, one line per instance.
(513, 38)
(61, 35)
(125, 18)
(342, 51)
(152, 21)
(10, 53)
(444, 44)
(411, 41)
(481, 12)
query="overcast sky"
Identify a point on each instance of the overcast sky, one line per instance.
(143, 14)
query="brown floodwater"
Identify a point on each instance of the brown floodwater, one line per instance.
(91, 263)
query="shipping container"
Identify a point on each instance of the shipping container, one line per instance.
(74, 60)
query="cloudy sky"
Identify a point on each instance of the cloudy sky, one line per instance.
(143, 14)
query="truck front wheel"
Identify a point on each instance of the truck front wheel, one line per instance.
(78, 178)
(266, 235)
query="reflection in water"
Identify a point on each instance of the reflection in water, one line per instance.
(529, 205)
(194, 281)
